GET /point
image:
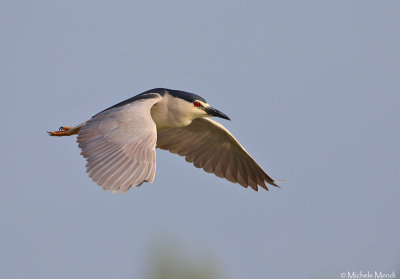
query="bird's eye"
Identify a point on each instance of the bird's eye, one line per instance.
(196, 104)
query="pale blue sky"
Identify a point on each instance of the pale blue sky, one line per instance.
(313, 91)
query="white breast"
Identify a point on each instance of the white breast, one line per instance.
(172, 112)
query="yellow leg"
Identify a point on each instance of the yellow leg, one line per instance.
(63, 131)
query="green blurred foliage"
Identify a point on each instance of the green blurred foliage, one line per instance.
(167, 262)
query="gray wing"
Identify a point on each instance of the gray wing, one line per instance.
(209, 145)
(119, 146)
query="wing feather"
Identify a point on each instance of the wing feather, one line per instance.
(209, 145)
(119, 146)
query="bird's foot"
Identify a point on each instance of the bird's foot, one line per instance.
(62, 131)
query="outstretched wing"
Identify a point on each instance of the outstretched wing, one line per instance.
(210, 146)
(119, 146)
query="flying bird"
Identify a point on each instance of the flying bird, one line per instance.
(119, 142)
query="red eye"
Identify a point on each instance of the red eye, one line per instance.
(196, 104)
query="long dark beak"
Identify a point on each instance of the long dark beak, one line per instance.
(214, 112)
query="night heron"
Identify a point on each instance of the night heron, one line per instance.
(119, 142)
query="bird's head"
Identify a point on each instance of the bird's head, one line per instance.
(203, 109)
(194, 106)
